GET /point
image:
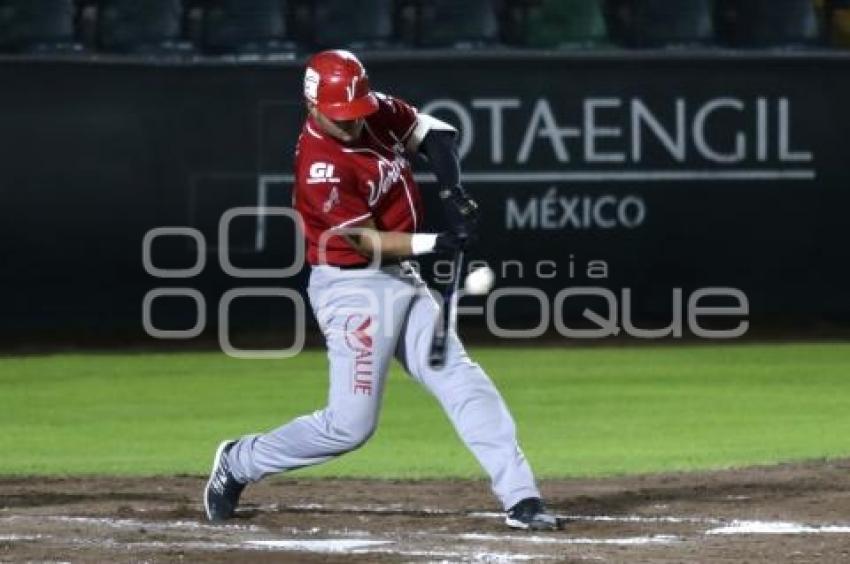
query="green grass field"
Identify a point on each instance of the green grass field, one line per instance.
(590, 411)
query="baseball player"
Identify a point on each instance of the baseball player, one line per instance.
(361, 212)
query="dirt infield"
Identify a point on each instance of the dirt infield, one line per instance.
(787, 513)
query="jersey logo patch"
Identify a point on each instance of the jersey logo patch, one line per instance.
(358, 332)
(333, 199)
(389, 172)
(322, 172)
(358, 338)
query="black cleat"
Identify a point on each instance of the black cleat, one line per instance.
(531, 514)
(221, 496)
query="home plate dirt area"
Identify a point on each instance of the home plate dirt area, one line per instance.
(785, 513)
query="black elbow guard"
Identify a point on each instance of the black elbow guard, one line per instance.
(441, 149)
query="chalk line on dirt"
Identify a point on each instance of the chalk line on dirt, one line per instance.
(10, 538)
(473, 546)
(318, 545)
(737, 527)
(648, 539)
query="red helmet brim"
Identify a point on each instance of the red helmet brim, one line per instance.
(361, 107)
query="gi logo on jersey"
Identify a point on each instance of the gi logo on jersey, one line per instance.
(322, 172)
(358, 339)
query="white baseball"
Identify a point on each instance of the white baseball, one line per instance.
(479, 281)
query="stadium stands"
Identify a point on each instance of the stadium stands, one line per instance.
(246, 26)
(838, 18)
(564, 24)
(356, 24)
(130, 26)
(769, 23)
(449, 23)
(38, 26)
(666, 23)
(269, 27)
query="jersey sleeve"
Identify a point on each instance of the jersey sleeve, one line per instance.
(330, 194)
(398, 116)
(407, 124)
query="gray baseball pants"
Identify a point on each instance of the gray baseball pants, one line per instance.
(368, 317)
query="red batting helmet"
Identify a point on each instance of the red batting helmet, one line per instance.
(337, 83)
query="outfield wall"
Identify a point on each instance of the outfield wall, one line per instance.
(636, 171)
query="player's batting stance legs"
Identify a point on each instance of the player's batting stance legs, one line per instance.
(358, 199)
(353, 314)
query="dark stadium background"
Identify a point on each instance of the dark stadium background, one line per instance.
(119, 117)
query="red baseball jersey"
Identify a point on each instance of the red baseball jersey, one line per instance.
(340, 185)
